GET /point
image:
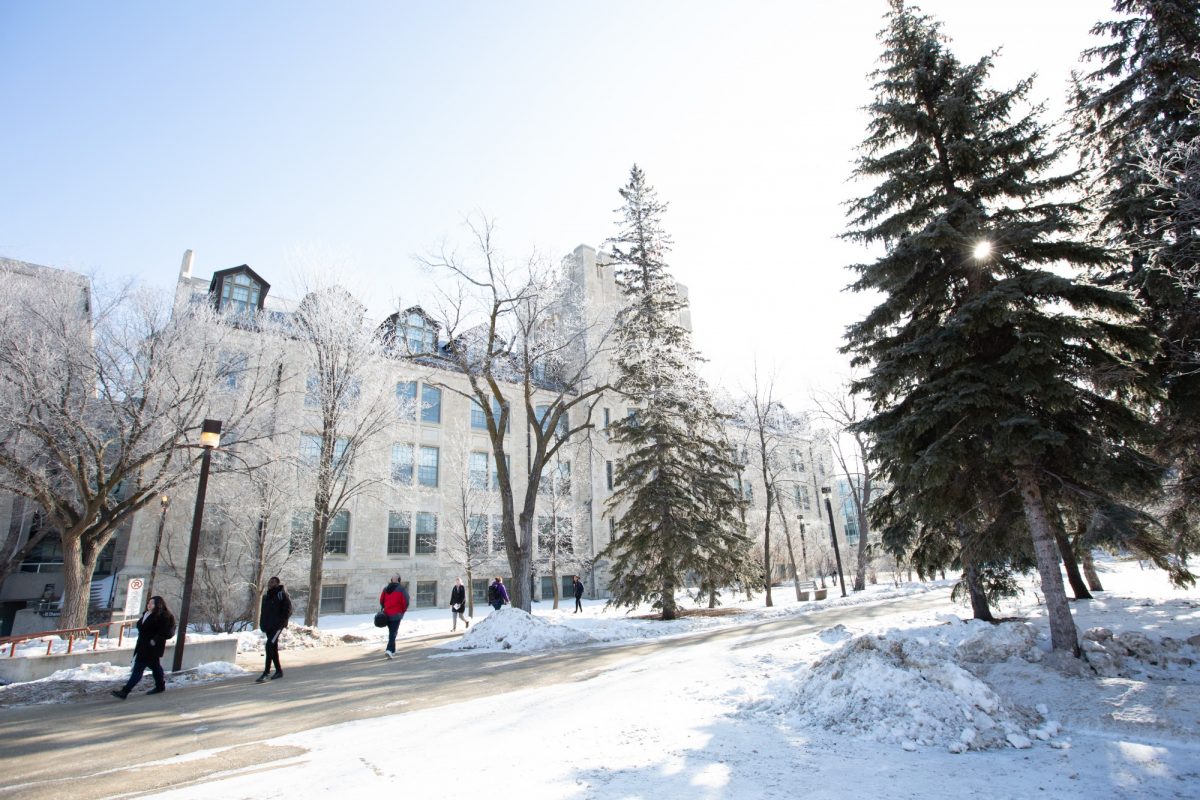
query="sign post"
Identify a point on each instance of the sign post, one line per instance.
(133, 597)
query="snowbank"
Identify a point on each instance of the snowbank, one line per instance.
(514, 630)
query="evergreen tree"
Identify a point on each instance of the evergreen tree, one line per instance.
(676, 497)
(982, 359)
(1138, 109)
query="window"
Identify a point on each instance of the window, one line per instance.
(748, 491)
(312, 391)
(542, 415)
(431, 404)
(426, 533)
(568, 586)
(477, 534)
(607, 418)
(333, 599)
(427, 473)
(477, 470)
(556, 479)
(797, 461)
(426, 594)
(802, 499)
(230, 368)
(310, 450)
(612, 529)
(402, 464)
(608, 474)
(240, 293)
(301, 531)
(337, 537)
(496, 472)
(554, 535)
(399, 533)
(479, 419)
(497, 533)
(406, 399)
(418, 333)
(548, 587)
(479, 589)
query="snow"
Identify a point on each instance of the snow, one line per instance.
(889, 702)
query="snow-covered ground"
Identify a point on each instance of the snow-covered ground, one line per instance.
(919, 705)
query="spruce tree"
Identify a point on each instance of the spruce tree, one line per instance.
(675, 482)
(981, 358)
(1139, 107)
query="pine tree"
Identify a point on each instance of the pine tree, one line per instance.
(676, 497)
(1139, 108)
(982, 359)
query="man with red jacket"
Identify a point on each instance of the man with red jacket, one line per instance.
(393, 601)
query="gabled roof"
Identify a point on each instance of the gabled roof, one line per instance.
(220, 275)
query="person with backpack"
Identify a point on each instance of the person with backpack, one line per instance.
(577, 585)
(273, 617)
(458, 605)
(393, 601)
(154, 628)
(497, 594)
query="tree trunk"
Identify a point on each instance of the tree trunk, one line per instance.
(669, 611)
(712, 598)
(1089, 572)
(79, 564)
(860, 573)
(316, 568)
(1078, 587)
(520, 561)
(979, 603)
(1063, 635)
(1089, 566)
(787, 538)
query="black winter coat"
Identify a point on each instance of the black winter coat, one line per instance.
(458, 598)
(153, 632)
(276, 610)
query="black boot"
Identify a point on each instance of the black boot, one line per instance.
(157, 690)
(278, 674)
(262, 677)
(120, 694)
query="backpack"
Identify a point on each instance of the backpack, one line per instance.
(170, 626)
(493, 595)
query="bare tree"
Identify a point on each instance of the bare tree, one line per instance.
(560, 514)
(98, 393)
(764, 416)
(352, 402)
(467, 539)
(840, 410)
(521, 337)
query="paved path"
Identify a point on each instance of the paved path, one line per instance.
(107, 748)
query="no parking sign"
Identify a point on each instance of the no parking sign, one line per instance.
(133, 597)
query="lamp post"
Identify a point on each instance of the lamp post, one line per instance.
(162, 518)
(837, 553)
(210, 439)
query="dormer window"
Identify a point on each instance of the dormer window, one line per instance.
(418, 332)
(238, 290)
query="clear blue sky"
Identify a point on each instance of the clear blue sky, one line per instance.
(251, 131)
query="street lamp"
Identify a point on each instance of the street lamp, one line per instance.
(837, 553)
(210, 439)
(162, 518)
(804, 549)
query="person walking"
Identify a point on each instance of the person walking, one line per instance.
(577, 585)
(272, 619)
(458, 605)
(154, 628)
(497, 594)
(393, 601)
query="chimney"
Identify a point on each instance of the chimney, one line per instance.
(185, 269)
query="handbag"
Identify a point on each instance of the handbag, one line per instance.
(381, 619)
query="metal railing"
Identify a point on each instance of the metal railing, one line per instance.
(71, 635)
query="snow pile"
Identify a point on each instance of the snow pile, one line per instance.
(295, 637)
(513, 630)
(908, 689)
(1134, 654)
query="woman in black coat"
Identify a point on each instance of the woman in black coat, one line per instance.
(272, 619)
(154, 628)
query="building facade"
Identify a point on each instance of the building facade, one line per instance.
(433, 493)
